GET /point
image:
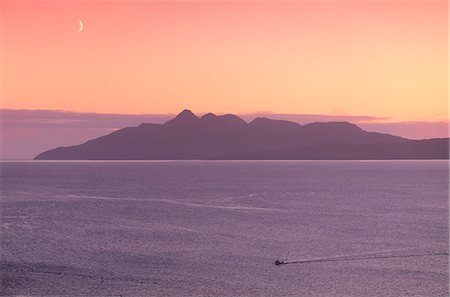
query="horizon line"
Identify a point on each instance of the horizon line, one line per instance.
(356, 118)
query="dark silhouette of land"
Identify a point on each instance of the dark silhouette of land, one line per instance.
(228, 137)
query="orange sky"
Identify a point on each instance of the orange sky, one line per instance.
(375, 58)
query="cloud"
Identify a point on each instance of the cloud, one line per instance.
(310, 118)
(56, 119)
(412, 130)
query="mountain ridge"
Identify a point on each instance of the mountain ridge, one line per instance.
(213, 137)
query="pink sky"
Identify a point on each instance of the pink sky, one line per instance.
(375, 58)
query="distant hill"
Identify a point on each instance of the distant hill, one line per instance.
(228, 137)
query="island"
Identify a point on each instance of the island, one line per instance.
(228, 137)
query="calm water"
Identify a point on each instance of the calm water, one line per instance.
(216, 228)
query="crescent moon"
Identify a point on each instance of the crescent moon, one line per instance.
(81, 26)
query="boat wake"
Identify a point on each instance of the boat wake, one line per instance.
(356, 257)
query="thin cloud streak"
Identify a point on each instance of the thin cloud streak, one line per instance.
(310, 118)
(67, 119)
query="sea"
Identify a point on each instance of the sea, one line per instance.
(216, 228)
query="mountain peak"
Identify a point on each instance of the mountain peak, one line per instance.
(184, 117)
(186, 114)
(208, 116)
(340, 126)
(224, 119)
(233, 119)
(276, 124)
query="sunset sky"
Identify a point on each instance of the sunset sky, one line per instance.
(373, 58)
